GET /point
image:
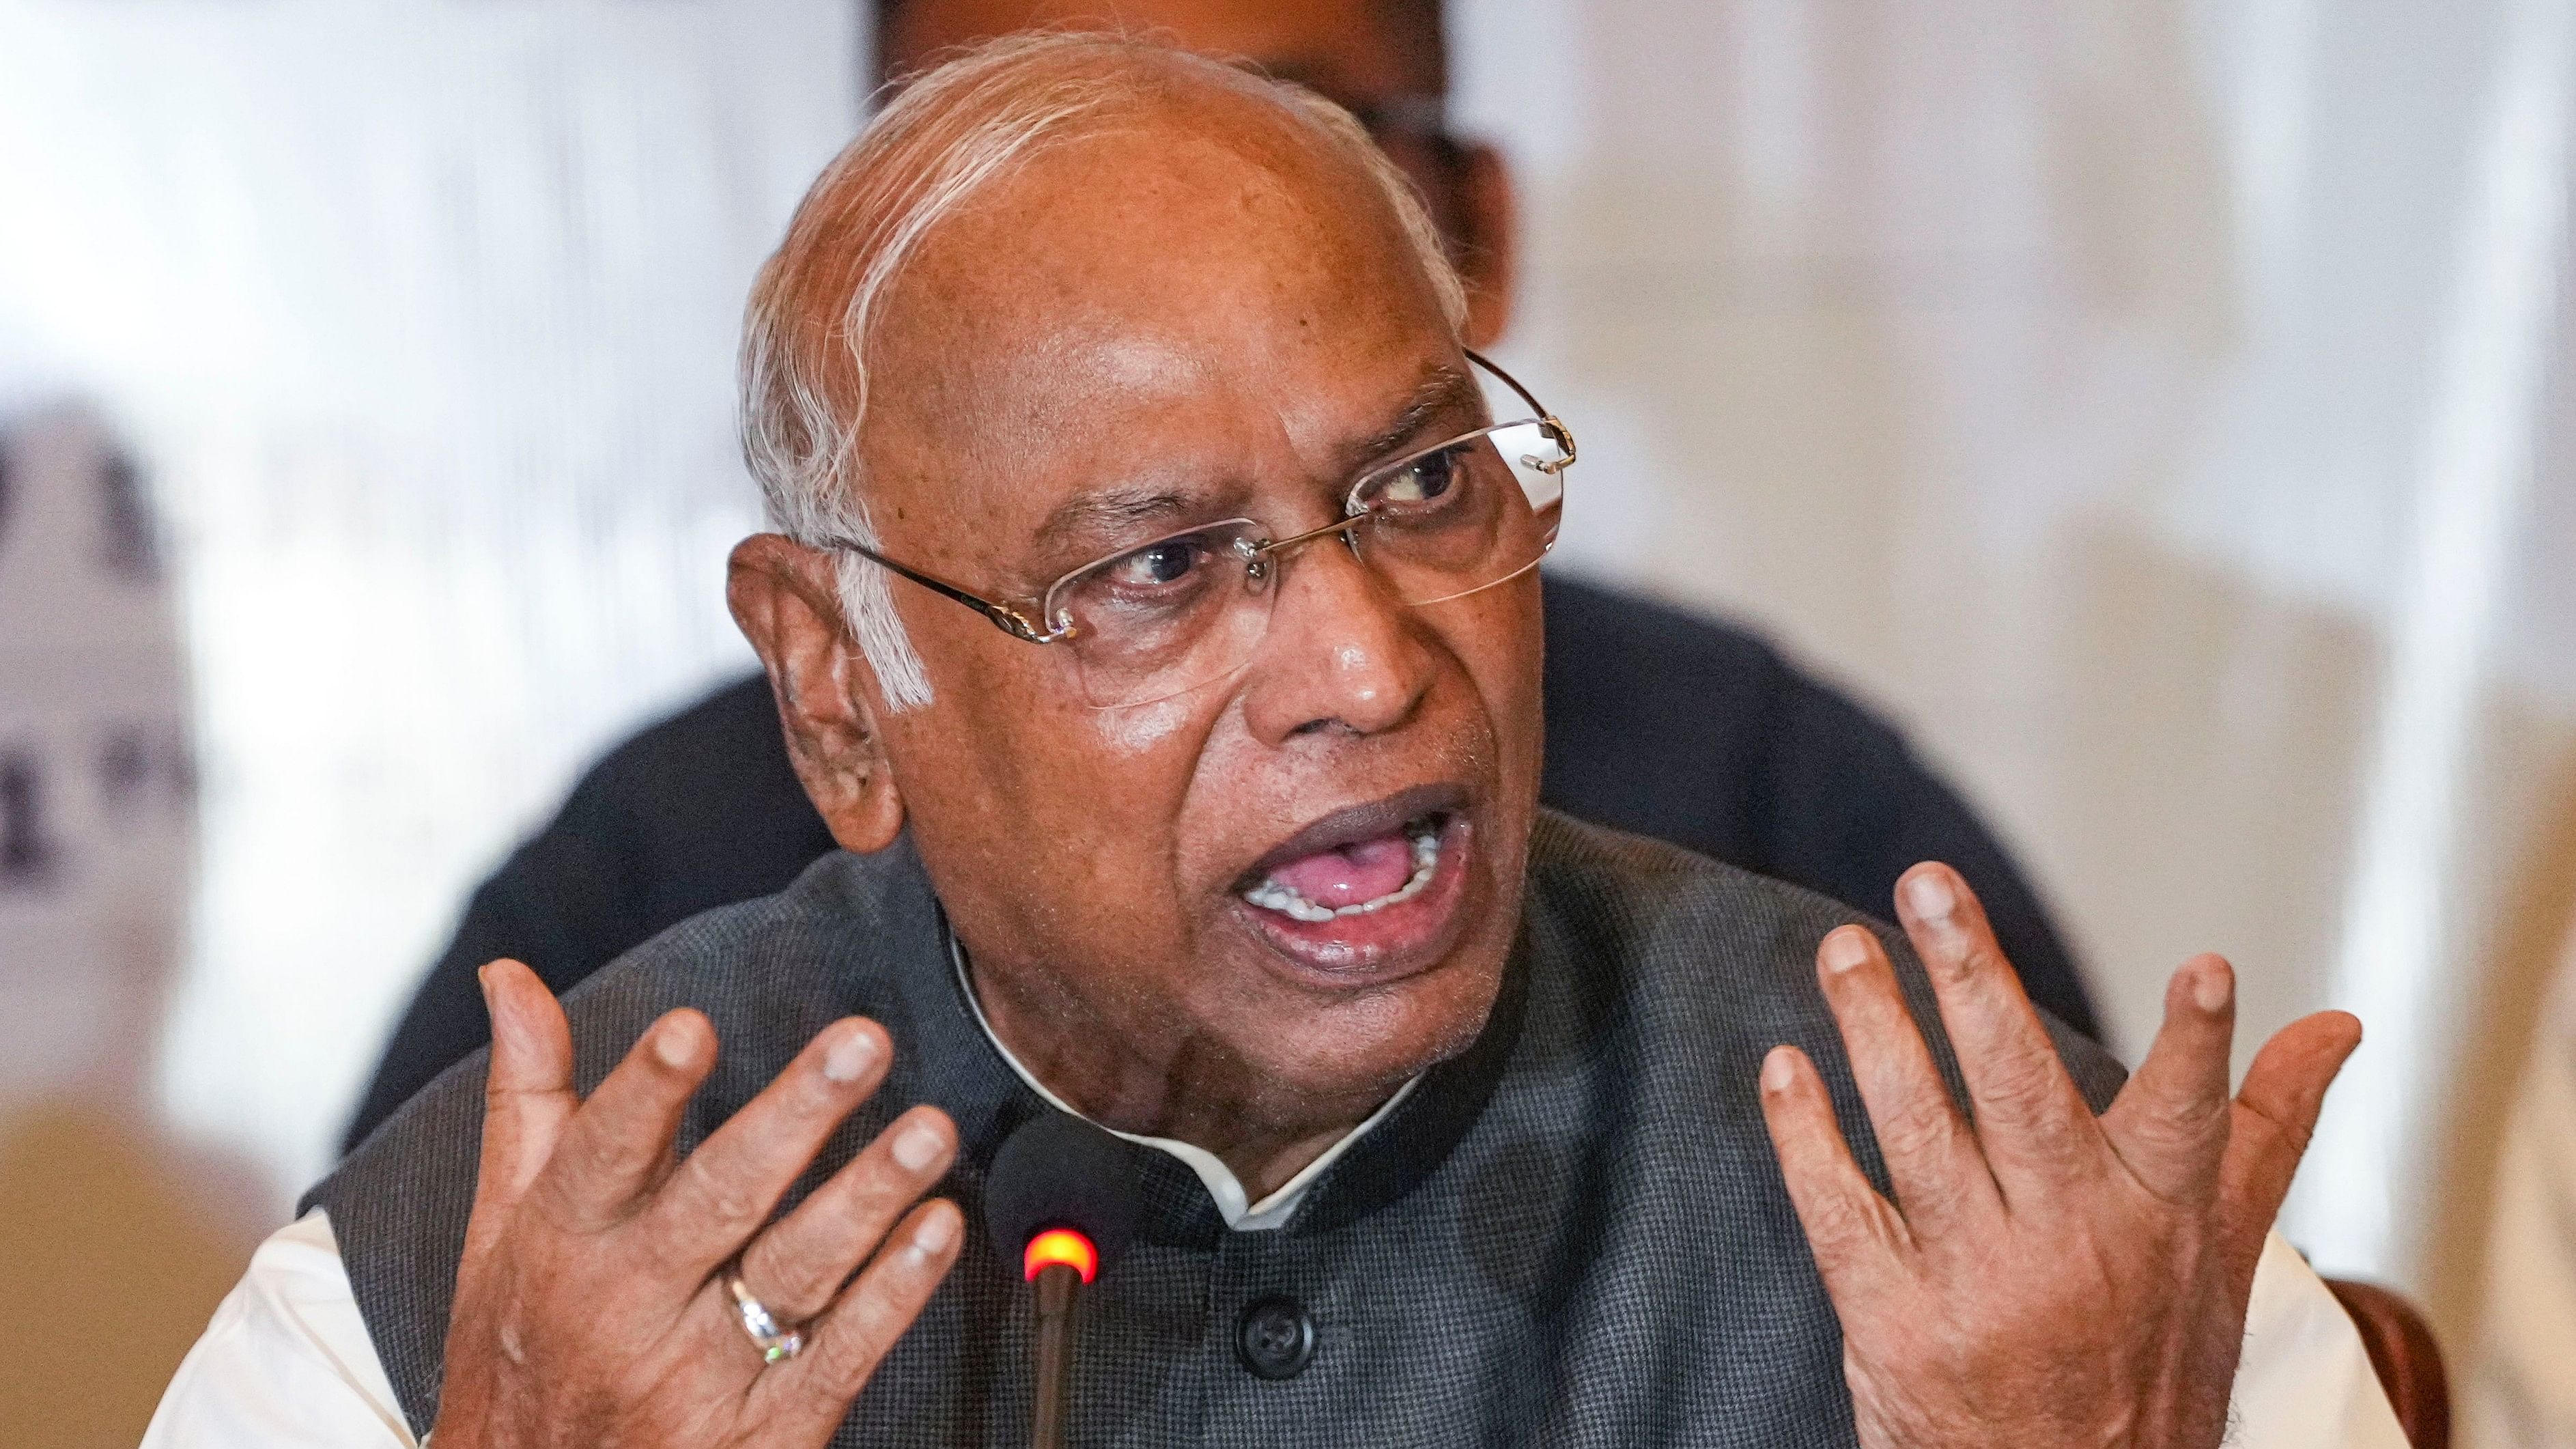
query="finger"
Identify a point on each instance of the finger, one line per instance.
(725, 1190)
(1932, 1158)
(2033, 1125)
(619, 1143)
(2276, 1112)
(844, 1347)
(1855, 1234)
(799, 1263)
(2169, 1123)
(528, 1092)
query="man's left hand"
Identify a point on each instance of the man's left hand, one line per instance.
(2044, 1277)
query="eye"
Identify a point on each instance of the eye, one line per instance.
(1158, 565)
(1424, 480)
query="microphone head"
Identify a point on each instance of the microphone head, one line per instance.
(1060, 1172)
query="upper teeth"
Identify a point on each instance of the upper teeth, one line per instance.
(1274, 894)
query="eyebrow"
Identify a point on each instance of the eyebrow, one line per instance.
(1441, 389)
(1114, 509)
(1111, 509)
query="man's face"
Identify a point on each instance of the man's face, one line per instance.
(1198, 319)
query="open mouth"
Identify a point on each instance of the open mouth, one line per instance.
(1366, 893)
(1355, 879)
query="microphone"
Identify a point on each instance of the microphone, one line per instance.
(1056, 1200)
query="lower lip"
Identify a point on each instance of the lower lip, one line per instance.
(1383, 945)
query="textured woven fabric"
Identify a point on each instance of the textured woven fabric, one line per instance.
(1573, 1234)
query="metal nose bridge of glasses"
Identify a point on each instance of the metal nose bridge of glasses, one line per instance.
(1020, 623)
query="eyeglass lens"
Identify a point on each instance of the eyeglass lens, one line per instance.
(1188, 609)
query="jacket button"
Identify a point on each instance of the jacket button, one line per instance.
(1274, 1338)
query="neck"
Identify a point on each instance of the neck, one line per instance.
(1187, 1092)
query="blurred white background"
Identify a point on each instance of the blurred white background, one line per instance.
(2160, 406)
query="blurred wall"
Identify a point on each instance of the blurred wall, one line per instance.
(2156, 405)
(416, 320)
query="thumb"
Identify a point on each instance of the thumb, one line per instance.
(2276, 1111)
(528, 1095)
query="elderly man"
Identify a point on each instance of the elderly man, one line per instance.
(1156, 627)
(1688, 730)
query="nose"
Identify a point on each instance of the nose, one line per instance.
(1343, 654)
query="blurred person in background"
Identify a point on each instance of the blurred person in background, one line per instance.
(1690, 730)
(2522, 1387)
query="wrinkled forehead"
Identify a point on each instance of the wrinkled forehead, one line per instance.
(1207, 290)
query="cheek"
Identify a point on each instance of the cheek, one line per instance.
(1092, 796)
(1497, 638)
(1144, 730)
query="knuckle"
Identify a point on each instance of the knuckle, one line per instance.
(1961, 957)
(2274, 1132)
(555, 1209)
(1918, 1125)
(815, 1096)
(585, 1156)
(2025, 1083)
(1838, 1224)
(724, 1201)
(851, 1353)
(784, 1280)
(2178, 1126)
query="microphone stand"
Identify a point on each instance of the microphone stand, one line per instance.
(1057, 1285)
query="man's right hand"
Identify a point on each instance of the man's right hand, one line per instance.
(591, 1303)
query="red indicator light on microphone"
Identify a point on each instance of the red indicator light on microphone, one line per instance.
(1061, 1245)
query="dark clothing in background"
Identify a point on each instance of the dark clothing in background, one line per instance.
(1574, 1234)
(1658, 722)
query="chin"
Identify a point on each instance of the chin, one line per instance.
(1368, 1046)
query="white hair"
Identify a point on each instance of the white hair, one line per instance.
(804, 365)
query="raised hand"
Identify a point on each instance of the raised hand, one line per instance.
(2043, 1277)
(592, 1303)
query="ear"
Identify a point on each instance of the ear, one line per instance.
(1489, 237)
(785, 600)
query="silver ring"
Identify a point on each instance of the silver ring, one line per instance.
(777, 1342)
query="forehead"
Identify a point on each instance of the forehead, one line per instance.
(1198, 294)
(1353, 49)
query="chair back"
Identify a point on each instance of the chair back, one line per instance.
(2405, 1356)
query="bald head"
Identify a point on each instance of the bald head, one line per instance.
(1082, 174)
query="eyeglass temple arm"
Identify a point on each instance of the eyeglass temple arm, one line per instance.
(1003, 617)
(1564, 435)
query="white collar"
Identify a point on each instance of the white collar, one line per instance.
(1242, 1216)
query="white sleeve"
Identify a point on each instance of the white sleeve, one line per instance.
(2304, 1381)
(286, 1363)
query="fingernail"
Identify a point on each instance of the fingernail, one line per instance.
(1775, 1072)
(671, 1043)
(917, 1146)
(1844, 950)
(850, 1056)
(1928, 895)
(937, 1230)
(2213, 988)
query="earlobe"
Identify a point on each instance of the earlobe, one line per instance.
(782, 597)
(1490, 249)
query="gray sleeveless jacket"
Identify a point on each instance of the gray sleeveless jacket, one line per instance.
(1574, 1234)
